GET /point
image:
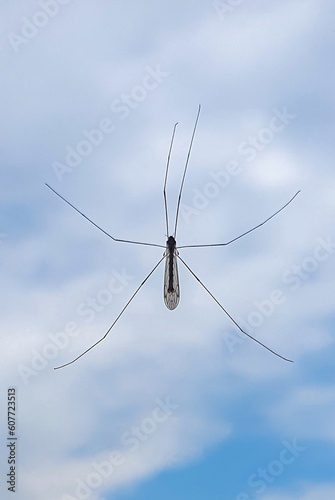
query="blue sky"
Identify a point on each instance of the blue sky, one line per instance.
(171, 404)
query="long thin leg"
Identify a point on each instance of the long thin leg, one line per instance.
(109, 329)
(247, 232)
(184, 174)
(224, 310)
(166, 176)
(96, 225)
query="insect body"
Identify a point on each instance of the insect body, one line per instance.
(171, 280)
(171, 254)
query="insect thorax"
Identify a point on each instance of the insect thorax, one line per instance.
(171, 244)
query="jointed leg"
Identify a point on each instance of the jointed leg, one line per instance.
(224, 310)
(109, 329)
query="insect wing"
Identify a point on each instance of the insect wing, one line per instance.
(171, 283)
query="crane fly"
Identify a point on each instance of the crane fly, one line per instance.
(171, 254)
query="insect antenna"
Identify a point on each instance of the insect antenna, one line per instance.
(185, 169)
(166, 176)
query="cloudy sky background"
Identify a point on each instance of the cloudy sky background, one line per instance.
(236, 410)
